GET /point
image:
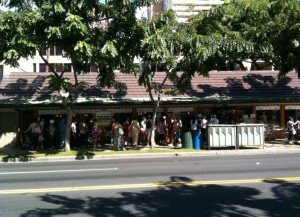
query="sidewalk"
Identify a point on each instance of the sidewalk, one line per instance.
(18, 155)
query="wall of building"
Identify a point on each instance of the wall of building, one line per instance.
(187, 8)
(33, 64)
(8, 127)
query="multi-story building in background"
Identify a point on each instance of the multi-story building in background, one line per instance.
(54, 55)
(183, 8)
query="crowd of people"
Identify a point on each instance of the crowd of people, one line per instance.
(167, 131)
(124, 131)
(51, 134)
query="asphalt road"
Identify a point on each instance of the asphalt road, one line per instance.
(254, 185)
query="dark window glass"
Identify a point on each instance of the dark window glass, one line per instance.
(43, 52)
(58, 67)
(51, 51)
(42, 67)
(67, 67)
(58, 51)
(94, 69)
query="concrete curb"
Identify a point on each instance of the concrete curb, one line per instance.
(273, 150)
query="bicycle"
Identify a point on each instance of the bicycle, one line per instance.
(280, 136)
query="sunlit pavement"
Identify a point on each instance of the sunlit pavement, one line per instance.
(17, 155)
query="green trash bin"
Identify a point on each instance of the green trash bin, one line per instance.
(187, 140)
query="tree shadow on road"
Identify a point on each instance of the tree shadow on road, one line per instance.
(173, 199)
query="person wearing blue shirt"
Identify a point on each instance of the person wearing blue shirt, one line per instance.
(62, 132)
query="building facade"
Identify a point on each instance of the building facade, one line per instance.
(186, 8)
(233, 96)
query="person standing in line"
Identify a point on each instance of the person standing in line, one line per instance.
(161, 131)
(126, 128)
(82, 127)
(214, 120)
(52, 131)
(291, 129)
(135, 129)
(41, 122)
(149, 129)
(143, 133)
(113, 126)
(169, 129)
(94, 133)
(118, 137)
(73, 134)
(194, 128)
(203, 127)
(62, 132)
(176, 133)
(263, 118)
(35, 131)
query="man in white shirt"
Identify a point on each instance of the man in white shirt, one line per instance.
(73, 134)
(203, 127)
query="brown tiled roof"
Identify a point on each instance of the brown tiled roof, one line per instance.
(231, 86)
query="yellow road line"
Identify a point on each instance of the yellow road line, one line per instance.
(147, 185)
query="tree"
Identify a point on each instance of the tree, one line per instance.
(266, 30)
(168, 45)
(159, 47)
(284, 35)
(74, 26)
(240, 29)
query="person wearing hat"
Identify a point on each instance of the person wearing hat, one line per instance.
(51, 131)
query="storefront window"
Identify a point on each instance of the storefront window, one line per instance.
(292, 111)
(268, 117)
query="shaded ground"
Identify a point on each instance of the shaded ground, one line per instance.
(181, 200)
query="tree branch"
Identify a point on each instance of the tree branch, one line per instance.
(48, 64)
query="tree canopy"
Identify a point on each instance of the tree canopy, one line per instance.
(109, 37)
(90, 33)
(266, 30)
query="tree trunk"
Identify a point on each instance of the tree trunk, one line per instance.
(152, 139)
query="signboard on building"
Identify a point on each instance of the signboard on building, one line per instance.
(119, 110)
(181, 109)
(292, 107)
(145, 110)
(267, 107)
(103, 118)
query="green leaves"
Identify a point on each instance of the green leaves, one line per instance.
(74, 25)
(58, 8)
(54, 32)
(11, 57)
(109, 49)
(83, 47)
(57, 83)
